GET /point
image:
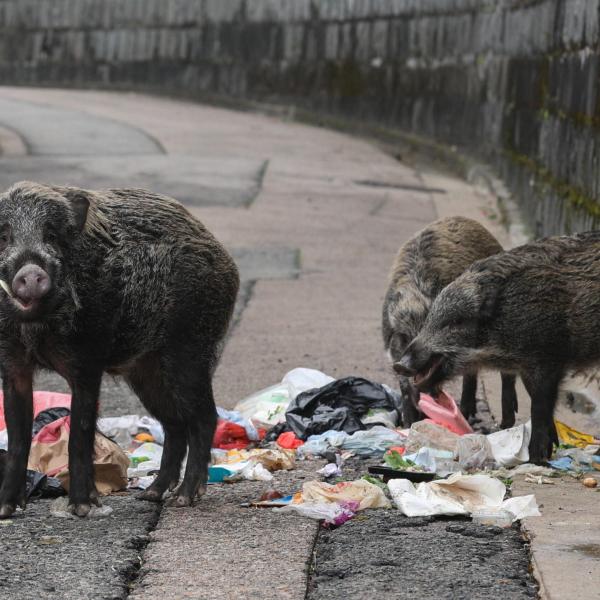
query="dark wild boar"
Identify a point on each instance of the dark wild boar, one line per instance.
(125, 282)
(534, 311)
(426, 264)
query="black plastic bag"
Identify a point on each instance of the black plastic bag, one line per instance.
(36, 484)
(338, 406)
(48, 416)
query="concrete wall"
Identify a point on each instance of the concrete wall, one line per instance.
(513, 81)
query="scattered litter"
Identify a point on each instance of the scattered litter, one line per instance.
(329, 512)
(576, 459)
(338, 406)
(427, 433)
(272, 458)
(332, 469)
(267, 407)
(458, 495)
(49, 455)
(572, 437)
(140, 483)
(440, 462)
(236, 417)
(289, 440)
(497, 517)
(366, 494)
(122, 429)
(47, 416)
(510, 447)
(538, 479)
(372, 442)
(41, 401)
(318, 445)
(443, 411)
(590, 482)
(475, 452)
(524, 469)
(60, 508)
(145, 460)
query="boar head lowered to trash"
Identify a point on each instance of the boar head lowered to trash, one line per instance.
(123, 281)
(428, 262)
(534, 310)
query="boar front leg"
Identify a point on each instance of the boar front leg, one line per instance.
(84, 406)
(468, 399)
(510, 403)
(18, 411)
(542, 385)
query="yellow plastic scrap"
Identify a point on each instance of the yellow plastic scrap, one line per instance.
(572, 437)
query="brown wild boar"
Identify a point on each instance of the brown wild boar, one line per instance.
(533, 311)
(427, 263)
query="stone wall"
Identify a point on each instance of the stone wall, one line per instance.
(512, 81)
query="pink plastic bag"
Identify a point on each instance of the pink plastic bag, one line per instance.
(41, 401)
(443, 411)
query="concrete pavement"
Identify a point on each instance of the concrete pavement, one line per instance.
(320, 218)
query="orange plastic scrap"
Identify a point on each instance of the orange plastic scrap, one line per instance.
(572, 437)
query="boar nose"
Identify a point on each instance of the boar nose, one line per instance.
(404, 366)
(30, 283)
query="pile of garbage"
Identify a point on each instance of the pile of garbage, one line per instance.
(438, 466)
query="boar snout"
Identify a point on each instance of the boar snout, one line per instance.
(404, 366)
(28, 287)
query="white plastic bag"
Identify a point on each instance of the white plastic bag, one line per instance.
(267, 407)
(510, 447)
(301, 380)
(458, 495)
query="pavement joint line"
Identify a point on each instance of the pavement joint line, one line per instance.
(400, 186)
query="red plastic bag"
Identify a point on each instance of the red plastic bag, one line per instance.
(41, 401)
(443, 411)
(289, 440)
(230, 436)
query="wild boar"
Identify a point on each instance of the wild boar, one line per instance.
(427, 263)
(533, 311)
(126, 282)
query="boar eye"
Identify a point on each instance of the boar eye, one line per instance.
(50, 237)
(4, 237)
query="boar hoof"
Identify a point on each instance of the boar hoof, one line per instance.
(81, 509)
(6, 510)
(179, 501)
(150, 495)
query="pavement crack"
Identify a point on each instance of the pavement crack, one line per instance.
(131, 570)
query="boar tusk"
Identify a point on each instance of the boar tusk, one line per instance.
(6, 288)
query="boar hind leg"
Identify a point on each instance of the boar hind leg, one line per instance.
(509, 400)
(84, 406)
(195, 397)
(18, 408)
(158, 399)
(468, 399)
(542, 386)
(170, 464)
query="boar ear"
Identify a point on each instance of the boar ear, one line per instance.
(80, 204)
